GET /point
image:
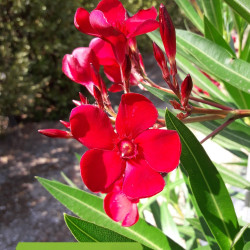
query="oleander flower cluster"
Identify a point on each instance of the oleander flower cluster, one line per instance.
(128, 154)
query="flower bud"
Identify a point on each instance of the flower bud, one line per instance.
(56, 133)
(167, 31)
(160, 58)
(98, 97)
(126, 68)
(65, 124)
(83, 98)
(186, 88)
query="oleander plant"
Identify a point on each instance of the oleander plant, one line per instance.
(149, 177)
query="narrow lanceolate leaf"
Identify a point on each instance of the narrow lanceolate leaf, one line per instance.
(241, 98)
(245, 53)
(213, 34)
(207, 186)
(239, 235)
(213, 12)
(215, 59)
(242, 7)
(191, 14)
(90, 208)
(199, 79)
(232, 178)
(85, 231)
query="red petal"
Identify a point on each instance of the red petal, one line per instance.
(103, 51)
(101, 25)
(77, 66)
(161, 148)
(115, 88)
(117, 206)
(132, 216)
(142, 22)
(140, 180)
(92, 127)
(113, 10)
(100, 169)
(81, 21)
(136, 113)
(113, 73)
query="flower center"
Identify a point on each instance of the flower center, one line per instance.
(127, 149)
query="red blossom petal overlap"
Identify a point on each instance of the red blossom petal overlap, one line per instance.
(77, 66)
(103, 51)
(100, 169)
(160, 148)
(132, 216)
(119, 208)
(140, 180)
(81, 21)
(92, 127)
(142, 22)
(113, 10)
(136, 113)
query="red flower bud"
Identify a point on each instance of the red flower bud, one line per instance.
(186, 88)
(83, 98)
(160, 58)
(126, 68)
(65, 124)
(98, 97)
(56, 133)
(167, 32)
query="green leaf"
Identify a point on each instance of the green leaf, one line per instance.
(242, 99)
(67, 180)
(232, 178)
(233, 137)
(90, 208)
(239, 235)
(213, 35)
(191, 14)
(199, 79)
(246, 246)
(207, 186)
(213, 12)
(85, 231)
(245, 53)
(242, 7)
(216, 59)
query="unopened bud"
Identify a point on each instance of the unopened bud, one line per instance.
(83, 98)
(160, 58)
(98, 97)
(56, 133)
(167, 31)
(186, 88)
(65, 124)
(126, 68)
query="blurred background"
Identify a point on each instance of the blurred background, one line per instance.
(34, 94)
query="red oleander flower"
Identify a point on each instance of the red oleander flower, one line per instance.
(119, 207)
(132, 152)
(110, 21)
(77, 66)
